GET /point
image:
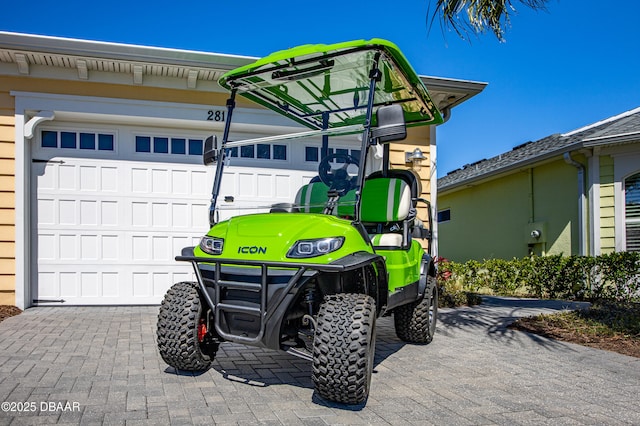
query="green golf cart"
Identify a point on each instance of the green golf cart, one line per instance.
(311, 277)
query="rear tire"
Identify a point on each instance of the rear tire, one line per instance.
(344, 348)
(416, 322)
(179, 318)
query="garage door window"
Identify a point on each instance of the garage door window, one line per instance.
(166, 145)
(77, 140)
(261, 151)
(312, 154)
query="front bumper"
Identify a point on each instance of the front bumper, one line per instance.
(250, 299)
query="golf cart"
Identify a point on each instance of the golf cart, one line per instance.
(311, 277)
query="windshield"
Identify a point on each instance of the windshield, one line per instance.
(293, 176)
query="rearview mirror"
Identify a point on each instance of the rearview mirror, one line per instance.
(210, 152)
(391, 124)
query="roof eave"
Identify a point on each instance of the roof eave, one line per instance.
(448, 93)
(119, 51)
(612, 140)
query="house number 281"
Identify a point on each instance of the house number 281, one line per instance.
(215, 115)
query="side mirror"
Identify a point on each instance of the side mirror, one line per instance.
(391, 124)
(210, 152)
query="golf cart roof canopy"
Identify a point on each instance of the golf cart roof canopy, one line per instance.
(313, 83)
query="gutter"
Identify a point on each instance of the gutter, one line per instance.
(582, 211)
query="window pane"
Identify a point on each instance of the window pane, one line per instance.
(178, 146)
(633, 236)
(87, 141)
(247, 151)
(49, 139)
(161, 145)
(233, 152)
(632, 212)
(279, 152)
(105, 142)
(143, 144)
(264, 151)
(355, 153)
(195, 146)
(444, 215)
(68, 140)
(311, 153)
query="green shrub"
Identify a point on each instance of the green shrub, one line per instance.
(561, 277)
(452, 292)
(611, 276)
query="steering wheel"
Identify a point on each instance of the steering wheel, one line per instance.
(338, 179)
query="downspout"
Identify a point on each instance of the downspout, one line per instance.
(581, 203)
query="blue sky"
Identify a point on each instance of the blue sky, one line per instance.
(575, 64)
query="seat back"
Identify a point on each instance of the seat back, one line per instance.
(410, 177)
(312, 197)
(386, 210)
(385, 200)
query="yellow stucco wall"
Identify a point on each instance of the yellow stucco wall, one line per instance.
(494, 219)
(607, 206)
(416, 137)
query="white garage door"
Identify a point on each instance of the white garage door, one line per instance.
(113, 206)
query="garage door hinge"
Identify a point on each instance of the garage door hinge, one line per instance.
(37, 160)
(36, 301)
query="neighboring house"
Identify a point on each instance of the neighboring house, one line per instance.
(571, 193)
(101, 176)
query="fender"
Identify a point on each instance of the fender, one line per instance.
(428, 269)
(379, 291)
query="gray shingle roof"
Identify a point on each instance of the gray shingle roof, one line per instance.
(606, 131)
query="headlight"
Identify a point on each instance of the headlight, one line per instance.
(211, 245)
(312, 248)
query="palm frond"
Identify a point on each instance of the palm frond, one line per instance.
(478, 16)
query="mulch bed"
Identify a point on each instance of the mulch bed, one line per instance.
(7, 311)
(616, 343)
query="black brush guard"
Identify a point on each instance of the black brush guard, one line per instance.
(272, 287)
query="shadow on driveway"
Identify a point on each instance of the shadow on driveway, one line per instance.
(495, 314)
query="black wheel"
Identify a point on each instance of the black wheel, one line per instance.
(344, 347)
(182, 330)
(416, 322)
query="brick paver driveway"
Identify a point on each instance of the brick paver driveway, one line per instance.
(99, 365)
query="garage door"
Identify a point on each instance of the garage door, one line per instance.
(113, 206)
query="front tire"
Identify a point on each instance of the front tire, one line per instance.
(416, 322)
(344, 348)
(179, 320)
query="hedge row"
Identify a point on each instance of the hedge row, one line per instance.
(610, 276)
